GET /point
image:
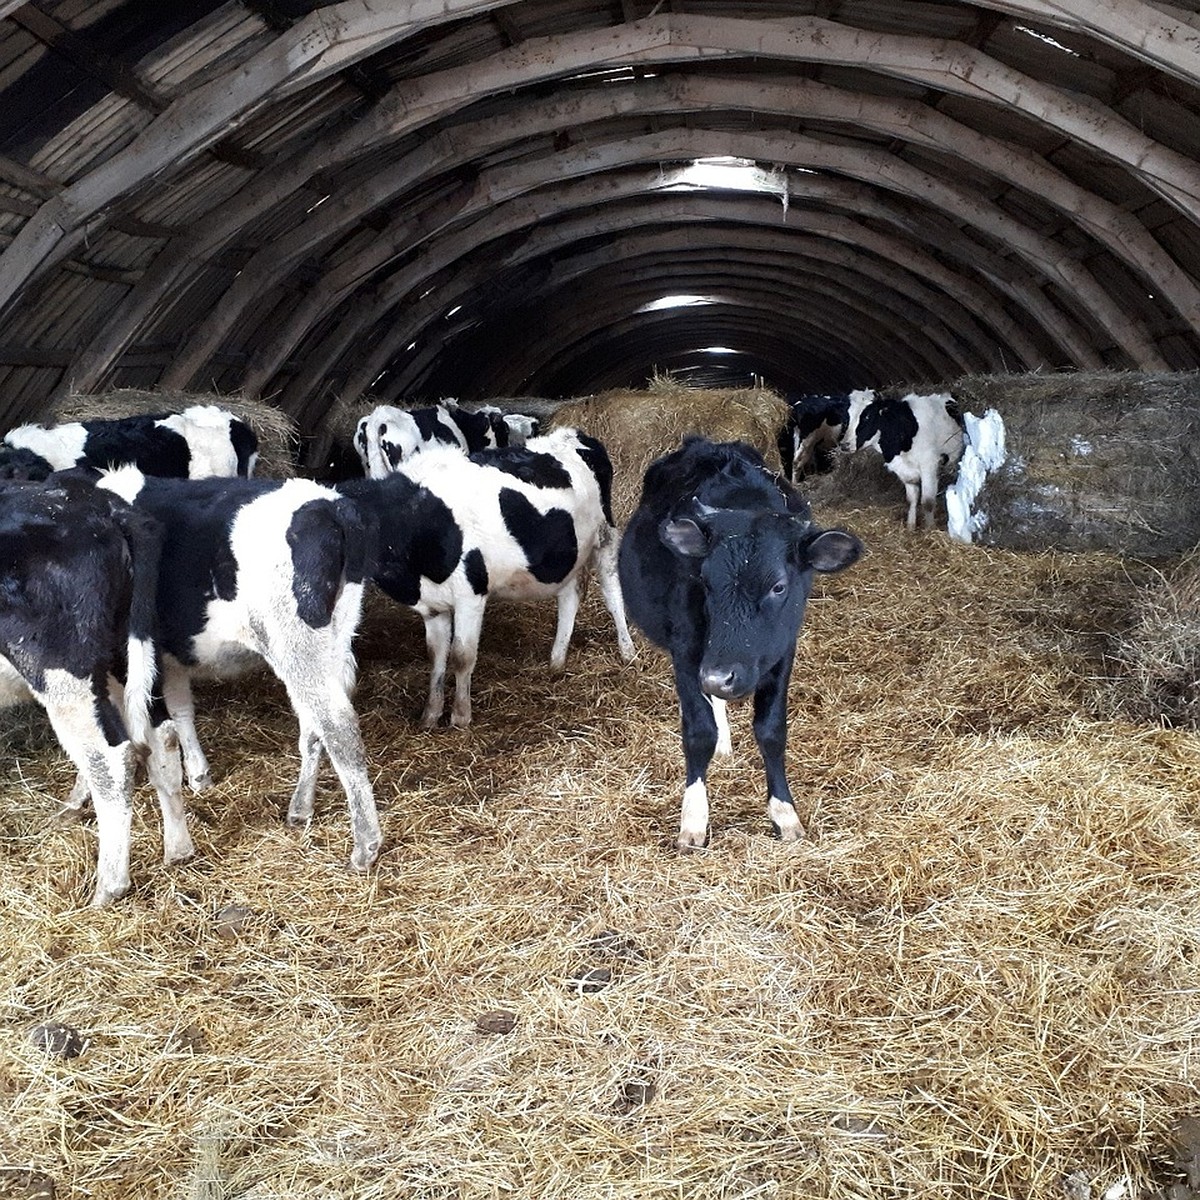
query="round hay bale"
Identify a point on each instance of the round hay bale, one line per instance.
(1097, 460)
(1160, 651)
(638, 426)
(276, 431)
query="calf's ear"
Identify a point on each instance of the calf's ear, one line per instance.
(833, 550)
(685, 537)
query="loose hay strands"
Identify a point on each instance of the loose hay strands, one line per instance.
(980, 978)
(638, 426)
(1161, 648)
(277, 437)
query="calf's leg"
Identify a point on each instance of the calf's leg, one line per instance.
(605, 566)
(568, 607)
(770, 731)
(177, 694)
(439, 629)
(699, 729)
(468, 624)
(91, 732)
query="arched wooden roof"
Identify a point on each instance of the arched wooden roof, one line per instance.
(309, 201)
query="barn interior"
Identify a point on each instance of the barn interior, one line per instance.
(979, 975)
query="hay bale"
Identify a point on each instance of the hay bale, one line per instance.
(1160, 651)
(276, 431)
(1096, 460)
(638, 426)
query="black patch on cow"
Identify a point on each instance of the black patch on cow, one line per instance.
(894, 422)
(19, 462)
(197, 561)
(538, 470)
(431, 427)
(477, 429)
(476, 571)
(315, 537)
(245, 444)
(65, 583)
(154, 449)
(547, 539)
(418, 535)
(596, 457)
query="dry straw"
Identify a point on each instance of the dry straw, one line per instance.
(979, 978)
(277, 438)
(637, 426)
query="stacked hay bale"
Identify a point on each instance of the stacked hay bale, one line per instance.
(276, 431)
(1096, 460)
(638, 426)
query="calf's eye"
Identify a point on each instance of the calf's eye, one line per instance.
(779, 587)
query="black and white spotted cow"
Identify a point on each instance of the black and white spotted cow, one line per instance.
(812, 434)
(716, 565)
(918, 436)
(387, 437)
(519, 523)
(197, 443)
(264, 570)
(78, 570)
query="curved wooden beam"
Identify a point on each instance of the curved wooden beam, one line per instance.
(917, 123)
(403, 328)
(324, 42)
(939, 64)
(530, 181)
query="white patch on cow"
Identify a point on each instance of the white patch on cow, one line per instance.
(60, 445)
(721, 712)
(785, 819)
(126, 481)
(13, 688)
(205, 427)
(983, 455)
(139, 681)
(693, 817)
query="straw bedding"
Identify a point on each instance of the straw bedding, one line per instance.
(980, 978)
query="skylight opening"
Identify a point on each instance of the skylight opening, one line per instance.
(612, 75)
(317, 204)
(456, 308)
(718, 350)
(680, 300)
(1045, 37)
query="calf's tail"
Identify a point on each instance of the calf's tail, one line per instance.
(144, 538)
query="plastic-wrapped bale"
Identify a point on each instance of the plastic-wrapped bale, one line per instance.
(638, 426)
(276, 431)
(1098, 460)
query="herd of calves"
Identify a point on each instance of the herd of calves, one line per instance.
(135, 553)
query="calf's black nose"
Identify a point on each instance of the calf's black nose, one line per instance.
(725, 683)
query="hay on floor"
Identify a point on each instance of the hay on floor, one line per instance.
(276, 431)
(638, 426)
(977, 979)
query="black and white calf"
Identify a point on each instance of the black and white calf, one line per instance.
(519, 523)
(716, 565)
(78, 570)
(812, 434)
(197, 443)
(387, 437)
(264, 570)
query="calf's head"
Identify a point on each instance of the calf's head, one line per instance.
(755, 569)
